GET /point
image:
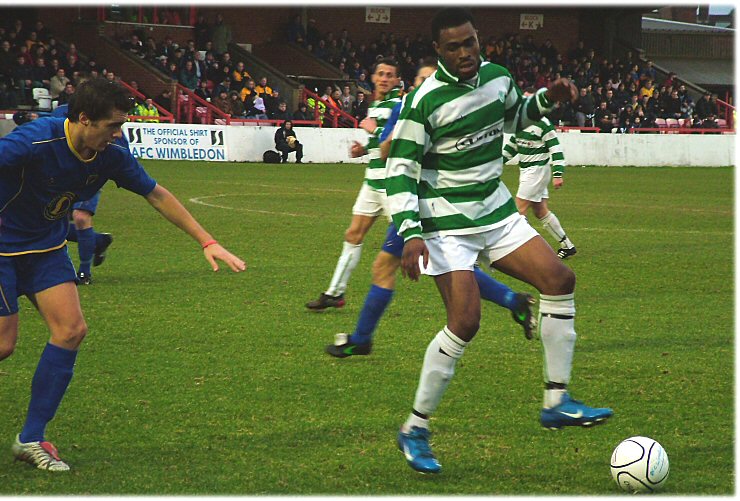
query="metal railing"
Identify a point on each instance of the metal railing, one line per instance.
(164, 115)
(327, 113)
(190, 105)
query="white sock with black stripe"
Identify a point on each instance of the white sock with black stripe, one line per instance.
(436, 372)
(558, 334)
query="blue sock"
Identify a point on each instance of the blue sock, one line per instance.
(86, 248)
(493, 290)
(71, 232)
(49, 384)
(375, 304)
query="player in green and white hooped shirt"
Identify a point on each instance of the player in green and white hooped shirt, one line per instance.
(449, 204)
(371, 201)
(536, 146)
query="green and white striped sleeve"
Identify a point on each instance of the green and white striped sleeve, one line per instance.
(521, 112)
(556, 151)
(510, 149)
(403, 171)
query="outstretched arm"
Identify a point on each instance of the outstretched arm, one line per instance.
(172, 210)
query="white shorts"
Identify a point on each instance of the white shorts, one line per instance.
(533, 182)
(371, 202)
(460, 252)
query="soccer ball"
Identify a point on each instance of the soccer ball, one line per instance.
(291, 141)
(639, 464)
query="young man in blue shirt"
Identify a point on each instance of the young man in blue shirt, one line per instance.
(45, 167)
(91, 245)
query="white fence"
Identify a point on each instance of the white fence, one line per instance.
(248, 143)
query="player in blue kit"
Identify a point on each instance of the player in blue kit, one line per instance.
(45, 167)
(388, 261)
(91, 245)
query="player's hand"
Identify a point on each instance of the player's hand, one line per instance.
(356, 150)
(215, 251)
(562, 90)
(557, 182)
(410, 258)
(369, 125)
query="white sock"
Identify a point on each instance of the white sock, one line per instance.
(552, 225)
(346, 264)
(557, 330)
(414, 420)
(437, 371)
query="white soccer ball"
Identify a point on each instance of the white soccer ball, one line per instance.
(639, 464)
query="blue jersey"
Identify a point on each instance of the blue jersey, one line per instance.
(60, 111)
(391, 123)
(42, 176)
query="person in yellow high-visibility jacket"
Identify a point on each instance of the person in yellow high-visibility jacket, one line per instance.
(146, 109)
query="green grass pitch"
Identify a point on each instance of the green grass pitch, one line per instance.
(194, 382)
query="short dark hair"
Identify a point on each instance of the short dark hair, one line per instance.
(388, 61)
(449, 18)
(429, 61)
(97, 98)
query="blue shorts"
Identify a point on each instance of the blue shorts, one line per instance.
(393, 242)
(90, 205)
(32, 273)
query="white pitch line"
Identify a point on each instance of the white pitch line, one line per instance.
(199, 200)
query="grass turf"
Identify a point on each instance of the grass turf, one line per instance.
(194, 382)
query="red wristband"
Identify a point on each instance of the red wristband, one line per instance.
(210, 242)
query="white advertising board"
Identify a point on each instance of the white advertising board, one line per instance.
(160, 141)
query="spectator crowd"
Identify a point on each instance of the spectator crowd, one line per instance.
(619, 94)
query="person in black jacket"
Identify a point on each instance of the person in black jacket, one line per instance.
(286, 142)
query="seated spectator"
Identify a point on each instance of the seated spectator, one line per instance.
(359, 108)
(673, 107)
(240, 76)
(271, 101)
(164, 100)
(363, 83)
(40, 74)
(263, 89)
(710, 122)
(585, 108)
(187, 77)
(224, 85)
(248, 90)
(237, 105)
(706, 107)
(64, 96)
(282, 112)
(347, 100)
(286, 142)
(203, 92)
(222, 102)
(146, 109)
(647, 88)
(603, 118)
(255, 107)
(57, 83)
(302, 113)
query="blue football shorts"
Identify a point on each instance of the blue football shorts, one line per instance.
(90, 205)
(393, 243)
(31, 273)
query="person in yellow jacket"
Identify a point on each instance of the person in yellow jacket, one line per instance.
(146, 109)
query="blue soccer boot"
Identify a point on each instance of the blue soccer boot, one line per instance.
(415, 446)
(571, 412)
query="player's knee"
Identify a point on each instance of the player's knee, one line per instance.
(353, 236)
(71, 336)
(465, 326)
(6, 349)
(82, 219)
(563, 280)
